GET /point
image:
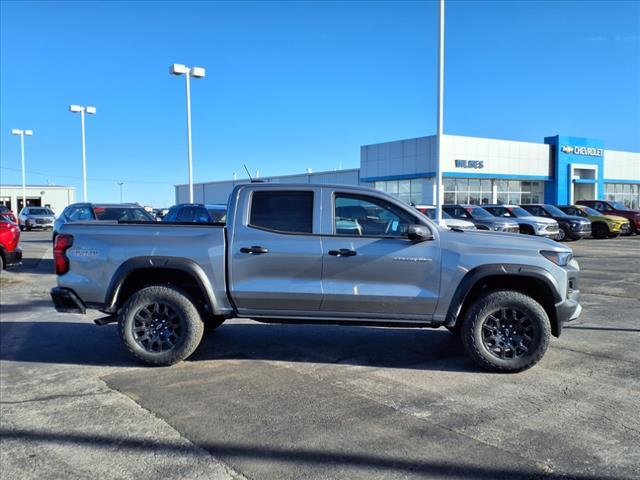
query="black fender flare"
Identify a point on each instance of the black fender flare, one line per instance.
(134, 264)
(475, 275)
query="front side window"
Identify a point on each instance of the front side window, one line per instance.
(282, 211)
(367, 216)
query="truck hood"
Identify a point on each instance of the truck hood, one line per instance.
(483, 240)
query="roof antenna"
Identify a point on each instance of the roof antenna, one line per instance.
(247, 170)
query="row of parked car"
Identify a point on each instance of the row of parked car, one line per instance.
(597, 218)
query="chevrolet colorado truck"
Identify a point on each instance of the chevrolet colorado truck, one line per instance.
(318, 254)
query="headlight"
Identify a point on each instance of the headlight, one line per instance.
(541, 226)
(559, 258)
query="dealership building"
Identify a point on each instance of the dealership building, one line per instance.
(559, 170)
(54, 197)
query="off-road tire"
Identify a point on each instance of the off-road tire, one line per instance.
(190, 323)
(486, 306)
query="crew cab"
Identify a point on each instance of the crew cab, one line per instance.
(318, 254)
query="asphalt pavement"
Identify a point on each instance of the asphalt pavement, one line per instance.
(308, 402)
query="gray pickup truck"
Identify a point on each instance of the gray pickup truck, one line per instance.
(318, 254)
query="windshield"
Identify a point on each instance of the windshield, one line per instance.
(218, 215)
(40, 211)
(555, 211)
(590, 211)
(619, 206)
(122, 214)
(431, 213)
(519, 212)
(477, 212)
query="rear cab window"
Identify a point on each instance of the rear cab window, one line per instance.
(287, 211)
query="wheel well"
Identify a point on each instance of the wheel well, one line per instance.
(146, 277)
(598, 223)
(530, 286)
(527, 229)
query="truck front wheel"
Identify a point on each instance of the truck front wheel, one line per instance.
(506, 331)
(160, 325)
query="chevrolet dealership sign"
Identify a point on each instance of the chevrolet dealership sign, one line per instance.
(587, 151)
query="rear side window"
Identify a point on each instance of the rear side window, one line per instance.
(288, 211)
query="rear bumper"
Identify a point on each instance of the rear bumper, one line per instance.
(66, 301)
(12, 258)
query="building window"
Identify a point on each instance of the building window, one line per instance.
(472, 191)
(519, 192)
(626, 193)
(408, 190)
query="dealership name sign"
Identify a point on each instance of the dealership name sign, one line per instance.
(478, 164)
(586, 151)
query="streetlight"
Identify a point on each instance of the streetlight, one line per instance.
(440, 118)
(120, 183)
(196, 72)
(22, 133)
(91, 111)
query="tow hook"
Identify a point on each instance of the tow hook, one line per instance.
(105, 320)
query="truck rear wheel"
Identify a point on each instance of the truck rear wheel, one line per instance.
(506, 331)
(160, 325)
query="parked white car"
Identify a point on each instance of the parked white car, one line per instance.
(449, 221)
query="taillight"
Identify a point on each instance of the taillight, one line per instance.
(60, 247)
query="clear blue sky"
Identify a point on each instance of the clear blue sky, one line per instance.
(296, 85)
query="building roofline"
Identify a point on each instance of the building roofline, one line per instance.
(265, 179)
(38, 186)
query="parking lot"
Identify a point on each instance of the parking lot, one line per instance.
(264, 401)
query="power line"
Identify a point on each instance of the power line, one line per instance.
(147, 182)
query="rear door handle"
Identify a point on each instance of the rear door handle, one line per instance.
(254, 250)
(343, 252)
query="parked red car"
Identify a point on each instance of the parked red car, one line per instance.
(610, 207)
(6, 212)
(10, 253)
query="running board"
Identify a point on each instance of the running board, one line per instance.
(105, 320)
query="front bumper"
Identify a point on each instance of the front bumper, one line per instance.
(581, 231)
(13, 258)
(570, 308)
(66, 301)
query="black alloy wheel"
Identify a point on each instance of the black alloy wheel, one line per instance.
(157, 327)
(508, 333)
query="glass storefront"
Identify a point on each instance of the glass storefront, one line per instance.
(626, 193)
(479, 192)
(409, 191)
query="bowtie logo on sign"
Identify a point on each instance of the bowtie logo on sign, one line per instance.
(586, 151)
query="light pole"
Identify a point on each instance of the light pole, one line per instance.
(120, 183)
(188, 72)
(440, 121)
(91, 111)
(22, 133)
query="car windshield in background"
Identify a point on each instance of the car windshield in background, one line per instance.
(591, 211)
(555, 211)
(122, 214)
(40, 211)
(477, 212)
(519, 212)
(218, 215)
(431, 213)
(619, 206)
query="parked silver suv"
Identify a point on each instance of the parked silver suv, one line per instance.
(529, 224)
(482, 219)
(36, 217)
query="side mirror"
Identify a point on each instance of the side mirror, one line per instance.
(419, 233)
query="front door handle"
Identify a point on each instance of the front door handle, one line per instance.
(255, 250)
(343, 252)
